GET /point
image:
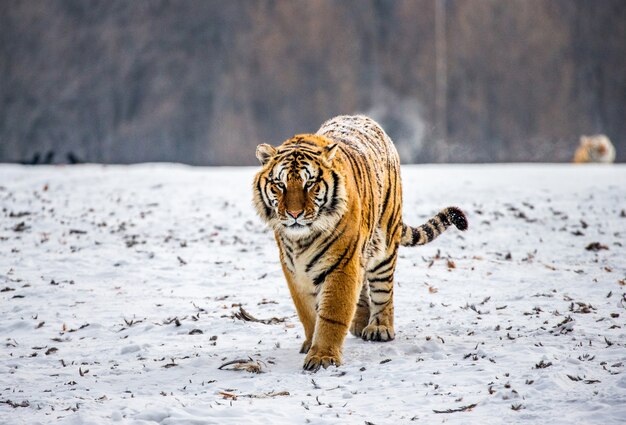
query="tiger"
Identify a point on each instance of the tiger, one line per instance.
(334, 202)
(596, 148)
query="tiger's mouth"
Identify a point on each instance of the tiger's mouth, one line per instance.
(296, 225)
(295, 231)
(297, 228)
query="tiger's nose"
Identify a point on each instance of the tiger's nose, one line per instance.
(294, 214)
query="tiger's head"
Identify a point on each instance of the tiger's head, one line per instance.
(299, 189)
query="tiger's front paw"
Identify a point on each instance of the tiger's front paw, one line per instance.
(320, 358)
(306, 346)
(378, 333)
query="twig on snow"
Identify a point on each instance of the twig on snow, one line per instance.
(249, 365)
(458, 409)
(247, 317)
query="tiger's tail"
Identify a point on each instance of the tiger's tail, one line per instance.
(427, 232)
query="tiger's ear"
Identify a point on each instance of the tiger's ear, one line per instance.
(264, 153)
(330, 151)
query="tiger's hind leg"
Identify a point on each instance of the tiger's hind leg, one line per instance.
(362, 315)
(380, 280)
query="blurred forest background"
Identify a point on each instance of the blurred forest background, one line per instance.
(203, 82)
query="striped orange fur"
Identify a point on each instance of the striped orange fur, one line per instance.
(334, 201)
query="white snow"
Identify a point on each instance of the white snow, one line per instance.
(114, 266)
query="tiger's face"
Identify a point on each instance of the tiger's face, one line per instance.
(298, 191)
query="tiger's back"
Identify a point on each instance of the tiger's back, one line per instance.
(375, 164)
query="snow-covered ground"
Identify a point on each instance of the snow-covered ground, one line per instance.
(120, 287)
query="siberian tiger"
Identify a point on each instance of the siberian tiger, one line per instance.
(334, 201)
(595, 149)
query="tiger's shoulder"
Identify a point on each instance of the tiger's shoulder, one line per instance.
(362, 135)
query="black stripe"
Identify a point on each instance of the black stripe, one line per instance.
(429, 233)
(386, 269)
(287, 247)
(304, 244)
(320, 278)
(354, 167)
(358, 177)
(391, 223)
(381, 264)
(380, 303)
(415, 235)
(383, 291)
(390, 188)
(335, 200)
(286, 255)
(393, 189)
(436, 225)
(301, 141)
(386, 198)
(396, 228)
(287, 150)
(386, 278)
(268, 210)
(325, 200)
(444, 219)
(322, 250)
(367, 188)
(394, 219)
(310, 155)
(290, 260)
(334, 322)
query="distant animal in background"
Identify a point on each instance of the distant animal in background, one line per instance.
(48, 159)
(334, 201)
(38, 160)
(596, 148)
(72, 158)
